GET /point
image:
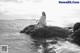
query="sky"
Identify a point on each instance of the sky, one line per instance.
(32, 9)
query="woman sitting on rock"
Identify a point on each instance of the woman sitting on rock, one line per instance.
(42, 21)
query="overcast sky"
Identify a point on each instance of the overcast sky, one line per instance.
(32, 9)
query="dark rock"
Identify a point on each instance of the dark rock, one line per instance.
(76, 26)
(28, 29)
(46, 32)
(76, 37)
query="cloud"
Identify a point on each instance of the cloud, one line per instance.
(14, 10)
(35, 0)
(4, 16)
(9, 0)
(31, 0)
(20, 0)
(29, 8)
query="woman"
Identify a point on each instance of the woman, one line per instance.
(42, 21)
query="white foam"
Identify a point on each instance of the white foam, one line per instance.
(65, 47)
